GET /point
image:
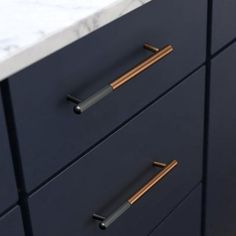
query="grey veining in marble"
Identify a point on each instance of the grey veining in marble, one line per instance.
(32, 29)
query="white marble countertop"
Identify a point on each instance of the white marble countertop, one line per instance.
(33, 29)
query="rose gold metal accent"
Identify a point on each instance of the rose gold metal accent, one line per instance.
(158, 55)
(166, 169)
(150, 47)
(159, 164)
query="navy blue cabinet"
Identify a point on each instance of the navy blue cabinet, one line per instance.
(45, 121)
(221, 175)
(72, 166)
(8, 191)
(11, 223)
(185, 220)
(102, 180)
(223, 23)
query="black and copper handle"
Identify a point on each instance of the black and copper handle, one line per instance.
(107, 221)
(158, 54)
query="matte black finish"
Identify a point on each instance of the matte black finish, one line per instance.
(11, 223)
(45, 120)
(171, 128)
(8, 191)
(107, 221)
(185, 220)
(93, 99)
(221, 192)
(223, 26)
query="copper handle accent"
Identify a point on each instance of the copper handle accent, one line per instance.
(105, 222)
(166, 169)
(157, 55)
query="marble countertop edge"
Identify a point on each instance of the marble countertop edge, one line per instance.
(55, 41)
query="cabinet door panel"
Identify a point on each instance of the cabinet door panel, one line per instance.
(185, 220)
(221, 192)
(8, 191)
(224, 23)
(11, 223)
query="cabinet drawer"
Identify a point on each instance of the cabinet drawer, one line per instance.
(106, 177)
(224, 26)
(8, 191)
(185, 220)
(11, 223)
(221, 205)
(46, 122)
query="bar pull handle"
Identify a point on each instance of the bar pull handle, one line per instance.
(105, 222)
(157, 55)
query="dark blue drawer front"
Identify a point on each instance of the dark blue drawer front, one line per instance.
(185, 220)
(11, 223)
(102, 180)
(224, 23)
(221, 192)
(44, 119)
(8, 191)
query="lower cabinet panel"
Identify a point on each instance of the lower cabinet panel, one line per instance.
(8, 190)
(185, 220)
(107, 176)
(11, 223)
(221, 187)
